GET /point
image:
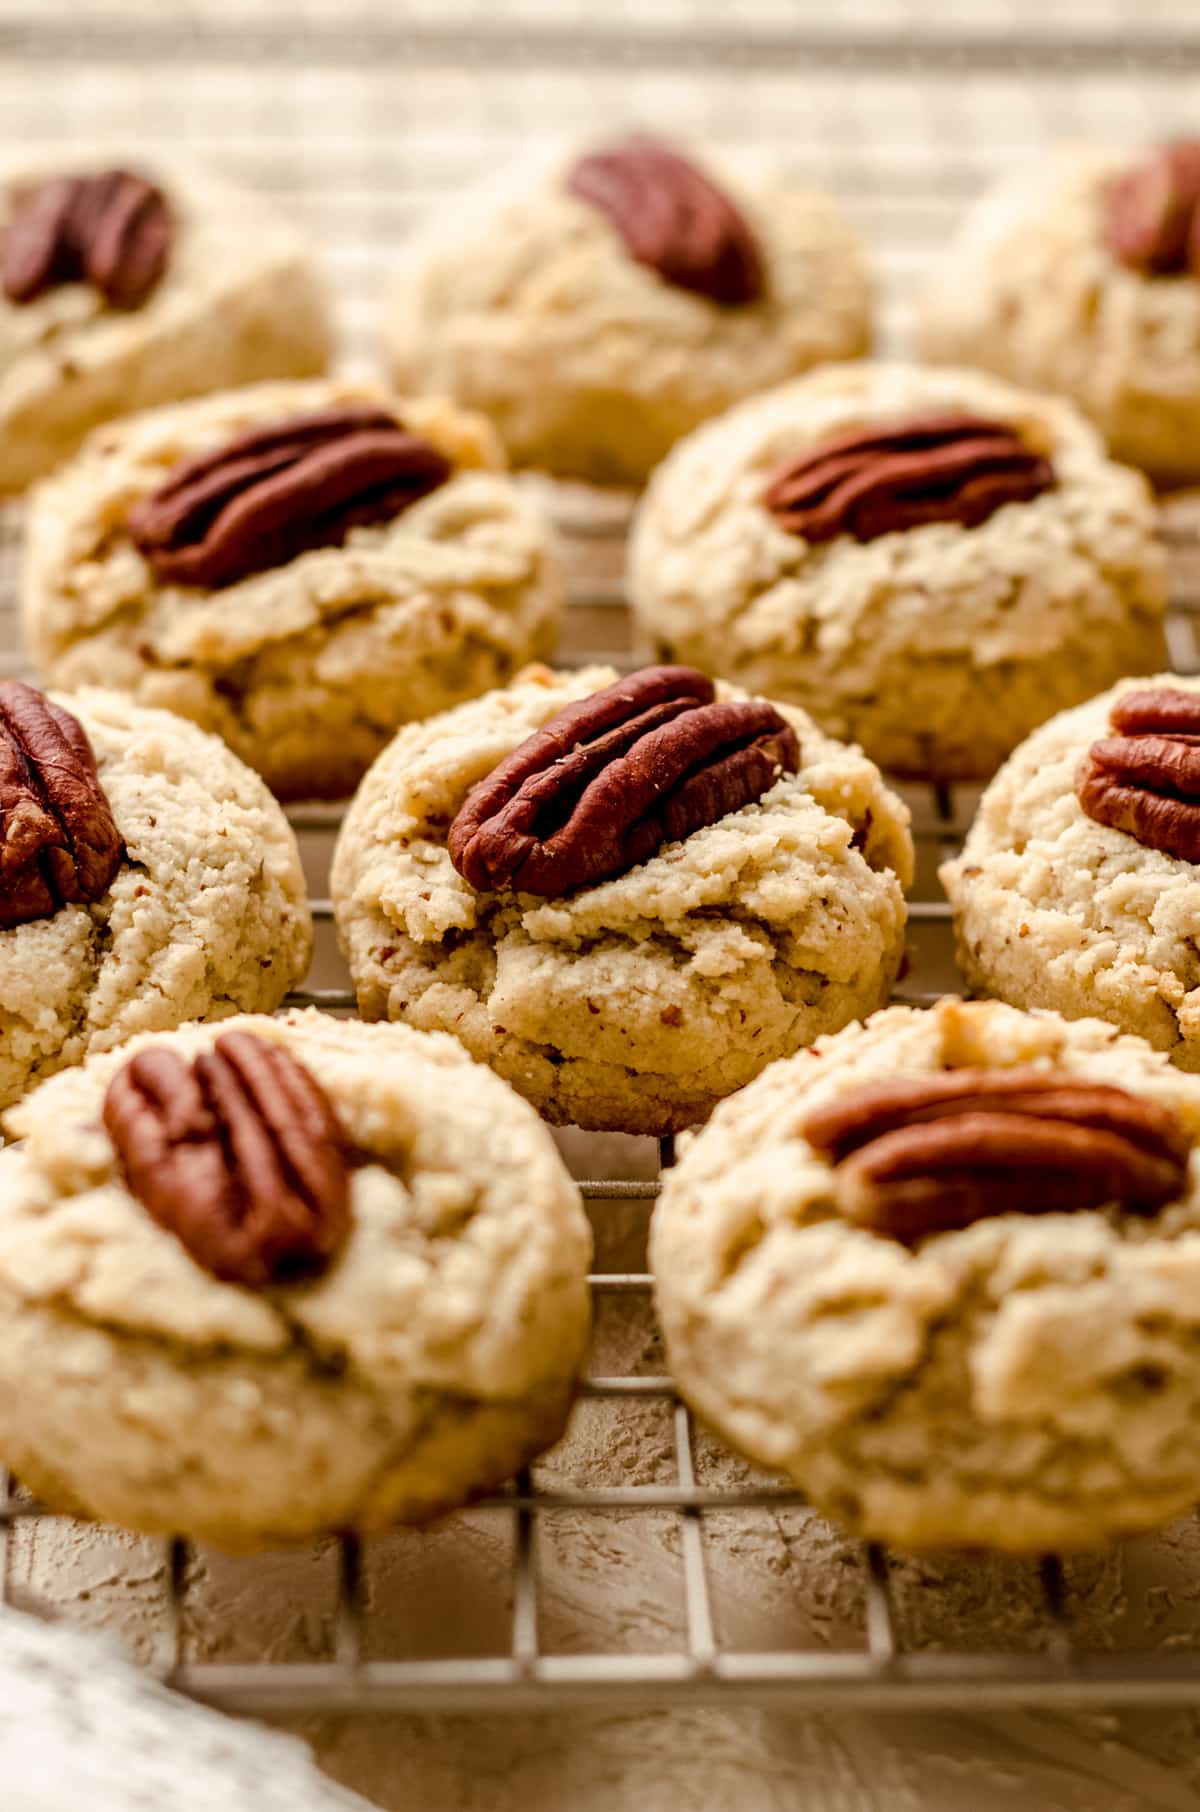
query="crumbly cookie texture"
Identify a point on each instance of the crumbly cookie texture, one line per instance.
(436, 1355)
(1052, 909)
(636, 1004)
(937, 648)
(305, 669)
(240, 301)
(523, 302)
(1030, 1382)
(207, 915)
(1032, 292)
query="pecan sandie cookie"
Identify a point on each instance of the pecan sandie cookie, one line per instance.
(943, 1270)
(626, 895)
(299, 567)
(928, 561)
(281, 1277)
(597, 305)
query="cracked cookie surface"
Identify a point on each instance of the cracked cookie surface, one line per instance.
(1029, 1382)
(435, 1356)
(206, 916)
(1052, 909)
(240, 301)
(306, 668)
(525, 303)
(937, 647)
(637, 1003)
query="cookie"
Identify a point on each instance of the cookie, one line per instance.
(929, 562)
(944, 1272)
(1061, 902)
(120, 290)
(626, 927)
(1046, 284)
(369, 562)
(146, 878)
(282, 1277)
(598, 305)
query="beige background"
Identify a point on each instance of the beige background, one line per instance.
(356, 117)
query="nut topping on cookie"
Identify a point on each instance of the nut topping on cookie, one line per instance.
(280, 490)
(609, 780)
(929, 1154)
(241, 1155)
(935, 468)
(112, 231)
(1145, 780)
(1150, 221)
(673, 219)
(59, 844)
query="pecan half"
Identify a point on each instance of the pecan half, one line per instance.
(1145, 780)
(112, 231)
(279, 490)
(1150, 213)
(927, 1154)
(59, 844)
(607, 781)
(240, 1154)
(673, 219)
(935, 468)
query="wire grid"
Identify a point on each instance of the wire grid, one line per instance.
(357, 118)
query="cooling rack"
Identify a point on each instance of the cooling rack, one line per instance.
(356, 115)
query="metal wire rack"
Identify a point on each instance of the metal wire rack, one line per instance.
(905, 118)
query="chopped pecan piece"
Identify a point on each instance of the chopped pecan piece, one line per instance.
(928, 1154)
(1150, 213)
(240, 1154)
(936, 468)
(279, 490)
(1145, 780)
(59, 844)
(673, 219)
(611, 778)
(112, 231)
